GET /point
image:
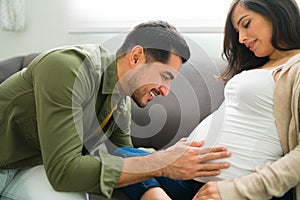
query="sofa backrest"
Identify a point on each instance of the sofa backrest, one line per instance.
(195, 93)
(12, 65)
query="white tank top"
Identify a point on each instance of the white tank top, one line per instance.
(244, 123)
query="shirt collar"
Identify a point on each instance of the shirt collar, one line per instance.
(110, 82)
(110, 78)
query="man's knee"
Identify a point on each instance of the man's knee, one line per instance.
(33, 184)
(129, 152)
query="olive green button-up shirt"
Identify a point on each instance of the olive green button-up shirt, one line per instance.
(50, 114)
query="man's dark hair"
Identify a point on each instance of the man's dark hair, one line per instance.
(159, 39)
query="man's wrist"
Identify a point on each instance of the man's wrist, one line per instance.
(155, 163)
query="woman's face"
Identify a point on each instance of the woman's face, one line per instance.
(254, 30)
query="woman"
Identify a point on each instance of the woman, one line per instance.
(265, 35)
(261, 108)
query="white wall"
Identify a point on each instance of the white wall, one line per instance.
(47, 27)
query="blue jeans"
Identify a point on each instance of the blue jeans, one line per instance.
(176, 189)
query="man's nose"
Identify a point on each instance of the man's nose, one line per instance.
(164, 90)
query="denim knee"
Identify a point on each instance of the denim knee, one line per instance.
(136, 191)
(129, 152)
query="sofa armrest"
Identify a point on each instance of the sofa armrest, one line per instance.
(10, 66)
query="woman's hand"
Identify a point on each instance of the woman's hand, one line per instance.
(209, 191)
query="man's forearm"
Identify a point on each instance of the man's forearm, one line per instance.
(140, 168)
(181, 161)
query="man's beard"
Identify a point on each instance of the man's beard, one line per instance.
(137, 97)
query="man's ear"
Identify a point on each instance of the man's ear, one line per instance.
(137, 56)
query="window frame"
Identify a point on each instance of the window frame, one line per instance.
(86, 16)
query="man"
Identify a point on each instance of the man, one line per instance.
(55, 113)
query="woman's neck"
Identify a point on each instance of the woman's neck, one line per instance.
(280, 58)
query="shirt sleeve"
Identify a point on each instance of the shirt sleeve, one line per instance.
(58, 121)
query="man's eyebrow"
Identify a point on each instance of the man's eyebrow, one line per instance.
(169, 74)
